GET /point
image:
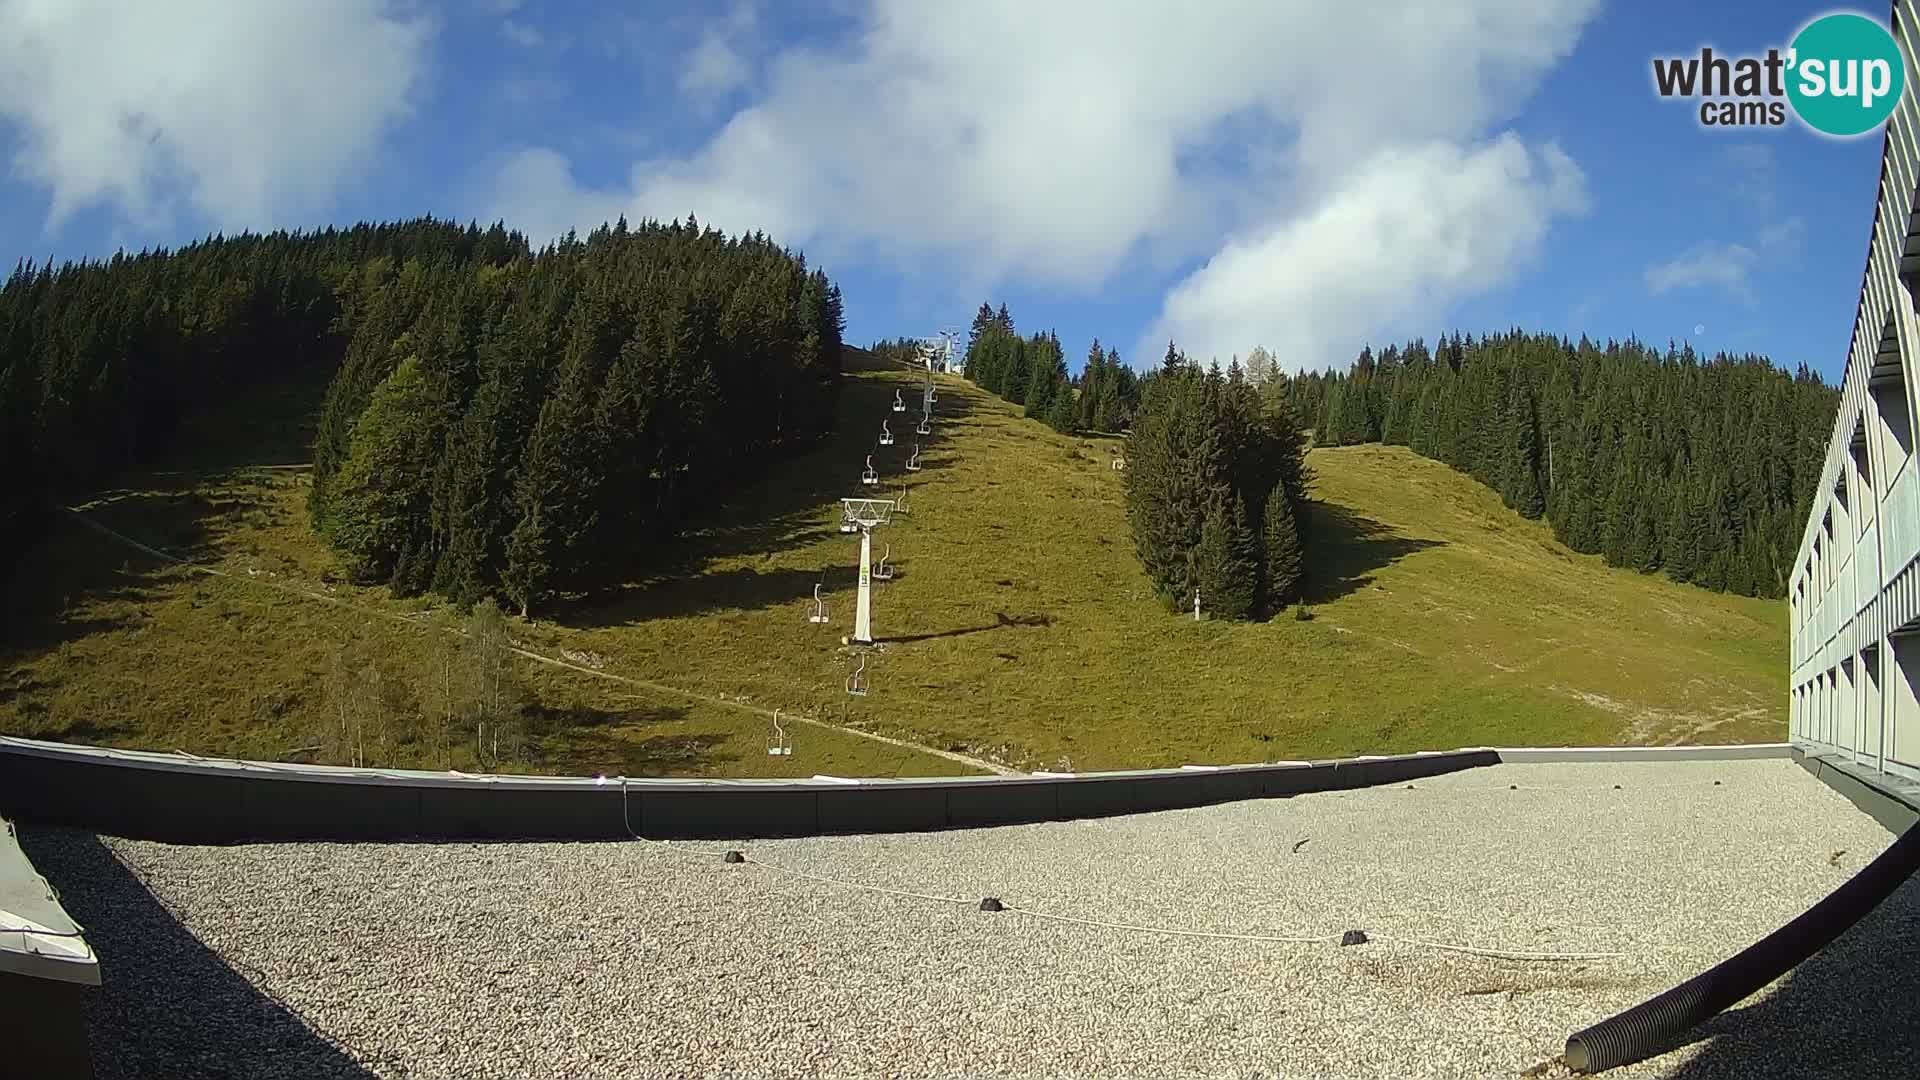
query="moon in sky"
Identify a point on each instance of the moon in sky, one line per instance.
(1698, 329)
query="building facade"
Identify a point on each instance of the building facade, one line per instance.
(1855, 590)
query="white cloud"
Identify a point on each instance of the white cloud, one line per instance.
(1750, 174)
(1409, 232)
(718, 65)
(1056, 143)
(244, 110)
(1783, 237)
(1728, 267)
(1724, 266)
(524, 180)
(533, 91)
(713, 68)
(525, 35)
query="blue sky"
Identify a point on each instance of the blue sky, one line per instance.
(1299, 175)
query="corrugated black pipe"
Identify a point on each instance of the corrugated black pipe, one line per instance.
(1650, 1026)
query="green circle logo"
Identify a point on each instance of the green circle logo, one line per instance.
(1845, 74)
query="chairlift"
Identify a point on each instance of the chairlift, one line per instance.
(869, 476)
(899, 405)
(900, 504)
(779, 743)
(884, 572)
(924, 428)
(847, 524)
(857, 682)
(913, 463)
(819, 604)
(886, 434)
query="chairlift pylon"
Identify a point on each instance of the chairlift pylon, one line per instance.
(819, 606)
(883, 571)
(886, 434)
(779, 744)
(857, 682)
(913, 463)
(899, 404)
(869, 476)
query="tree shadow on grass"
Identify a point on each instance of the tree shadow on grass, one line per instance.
(1344, 548)
(693, 593)
(1852, 1009)
(65, 572)
(168, 1006)
(584, 740)
(794, 504)
(1002, 621)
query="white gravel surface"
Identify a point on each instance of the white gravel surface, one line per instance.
(630, 959)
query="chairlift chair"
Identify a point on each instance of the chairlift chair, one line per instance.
(899, 405)
(819, 602)
(869, 476)
(900, 504)
(857, 682)
(886, 434)
(847, 524)
(883, 571)
(779, 743)
(913, 463)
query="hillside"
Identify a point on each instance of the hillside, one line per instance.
(1019, 628)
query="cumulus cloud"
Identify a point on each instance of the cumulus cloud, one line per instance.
(717, 65)
(241, 110)
(1410, 231)
(1054, 144)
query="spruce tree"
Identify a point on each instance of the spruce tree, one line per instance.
(1226, 565)
(1064, 415)
(1281, 548)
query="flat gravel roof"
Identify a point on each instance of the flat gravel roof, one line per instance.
(644, 959)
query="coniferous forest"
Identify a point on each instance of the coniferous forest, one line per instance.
(499, 421)
(1702, 468)
(1032, 372)
(99, 361)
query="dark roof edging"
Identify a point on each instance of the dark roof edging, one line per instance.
(1892, 801)
(1527, 755)
(182, 799)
